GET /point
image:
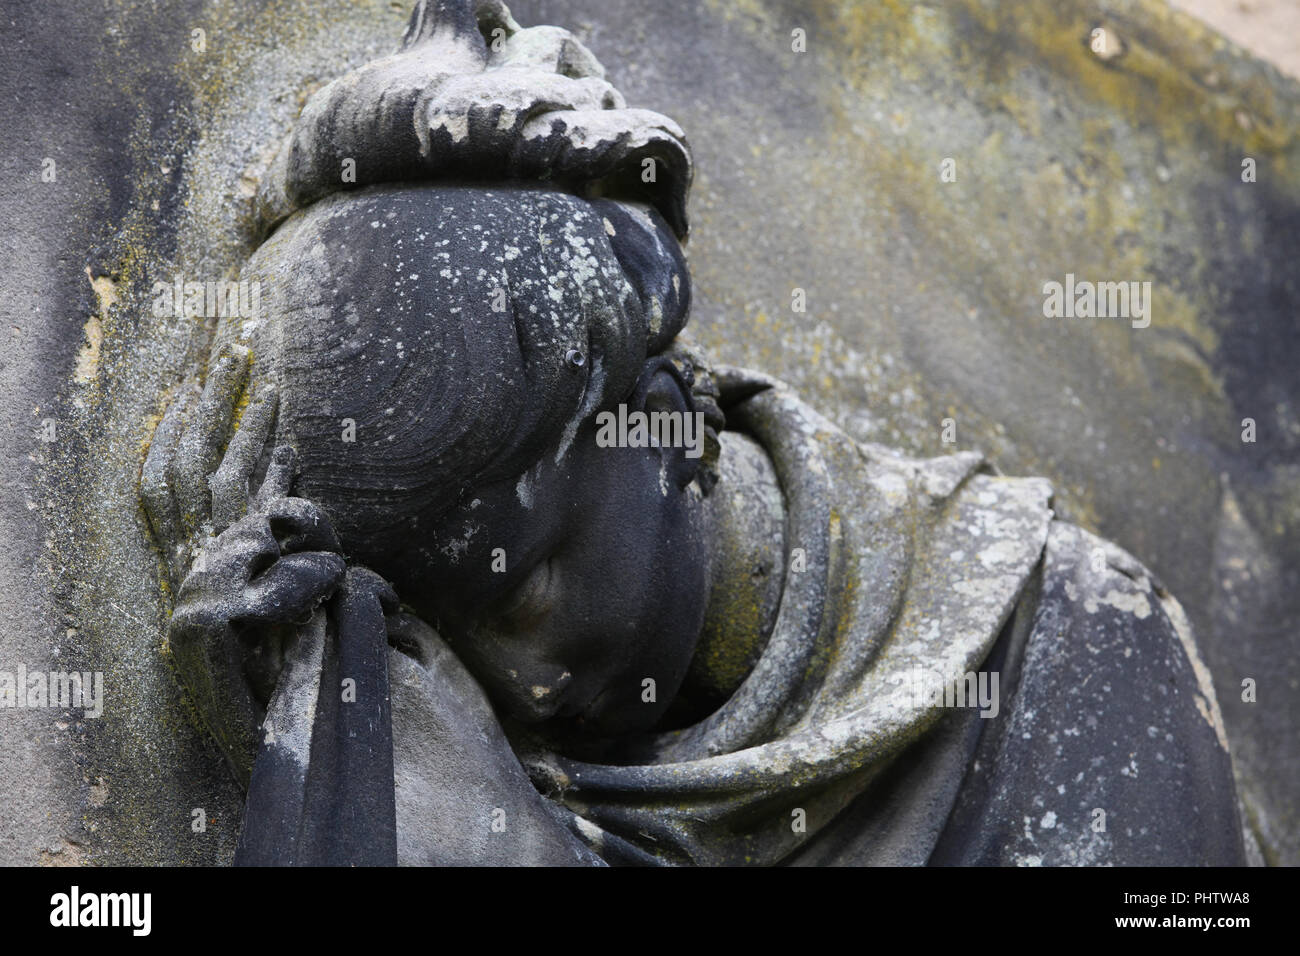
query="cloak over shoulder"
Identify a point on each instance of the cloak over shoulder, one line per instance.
(909, 571)
(1102, 743)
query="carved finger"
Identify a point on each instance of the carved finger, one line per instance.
(300, 525)
(280, 474)
(230, 483)
(291, 588)
(155, 490)
(225, 564)
(204, 438)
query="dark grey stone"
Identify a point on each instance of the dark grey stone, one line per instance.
(816, 170)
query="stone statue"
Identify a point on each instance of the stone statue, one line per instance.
(477, 559)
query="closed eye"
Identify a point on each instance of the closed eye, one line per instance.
(530, 600)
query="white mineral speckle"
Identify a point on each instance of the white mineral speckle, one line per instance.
(524, 491)
(1136, 604)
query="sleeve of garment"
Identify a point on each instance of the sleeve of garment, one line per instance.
(463, 797)
(321, 792)
(1109, 748)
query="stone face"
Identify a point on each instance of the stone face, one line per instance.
(819, 171)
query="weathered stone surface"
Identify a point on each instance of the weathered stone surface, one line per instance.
(817, 170)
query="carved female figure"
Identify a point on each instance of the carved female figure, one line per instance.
(449, 625)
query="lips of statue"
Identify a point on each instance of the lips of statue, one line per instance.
(577, 592)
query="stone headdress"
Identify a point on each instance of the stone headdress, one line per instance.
(473, 95)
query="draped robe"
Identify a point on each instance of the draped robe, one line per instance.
(1105, 744)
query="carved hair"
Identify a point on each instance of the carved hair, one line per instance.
(421, 339)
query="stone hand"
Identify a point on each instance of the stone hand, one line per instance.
(188, 487)
(250, 565)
